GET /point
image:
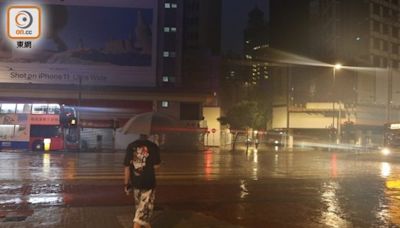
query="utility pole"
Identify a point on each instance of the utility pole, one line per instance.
(334, 95)
(288, 97)
(78, 111)
(389, 95)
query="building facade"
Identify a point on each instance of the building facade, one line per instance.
(133, 64)
(363, 36)
(247, 72)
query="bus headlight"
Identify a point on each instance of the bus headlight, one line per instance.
(385, 151)
(47, 142)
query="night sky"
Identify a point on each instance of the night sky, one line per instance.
(234, 21)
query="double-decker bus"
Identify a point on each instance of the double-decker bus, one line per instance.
(391, 138)
(38, 127)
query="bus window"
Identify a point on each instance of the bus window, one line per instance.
(39, 109)
(8, 108)
(24, 108)
(46, 131)
(6, 132)
(53, 109)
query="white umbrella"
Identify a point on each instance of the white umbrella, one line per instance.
(149, 123)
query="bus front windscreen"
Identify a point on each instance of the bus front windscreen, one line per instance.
(46, 131)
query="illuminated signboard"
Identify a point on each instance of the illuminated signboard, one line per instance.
(395, 126)
(44, 119)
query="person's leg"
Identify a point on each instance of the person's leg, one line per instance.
(136, 196)
(137, 225)
(144, 210)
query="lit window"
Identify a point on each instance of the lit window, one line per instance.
(53, 109)
(174, 5)
(7, 132)
(169, 29)
(165, 79)
(24, 108)
(8, 108)
(169, 54)
(167, 5)
(39, 109)
(164, 104)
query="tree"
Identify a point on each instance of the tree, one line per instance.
(242, 116)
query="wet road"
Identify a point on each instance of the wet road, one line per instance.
(255, 189)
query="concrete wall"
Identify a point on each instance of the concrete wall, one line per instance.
(373, 86)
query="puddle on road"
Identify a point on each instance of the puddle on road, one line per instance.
(48, 199)
(31, 194)
(11, 201)
(333, 214)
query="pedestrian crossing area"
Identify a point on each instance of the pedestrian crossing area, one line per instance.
(112, 174)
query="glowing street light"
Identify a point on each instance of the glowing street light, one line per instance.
(337, 66)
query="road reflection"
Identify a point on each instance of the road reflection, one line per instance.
(208, 166)
(46, 165)
(385, 169)
(333, 166)
(252, 157)
(326, 189)
(391, 205)
(243, 189)
(70, 170)
(332, 215)
(39, 176)
(373, 199)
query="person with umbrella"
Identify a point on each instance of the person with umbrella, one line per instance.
(141, 160)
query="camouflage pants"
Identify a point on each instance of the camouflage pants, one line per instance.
(144, 204)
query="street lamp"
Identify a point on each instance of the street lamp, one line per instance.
(337, 66)
(289, 141)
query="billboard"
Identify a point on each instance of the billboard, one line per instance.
(92, 42)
